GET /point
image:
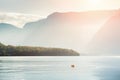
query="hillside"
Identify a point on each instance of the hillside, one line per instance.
(34, 51)
(107, 39)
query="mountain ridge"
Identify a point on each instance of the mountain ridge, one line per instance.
(66, 30)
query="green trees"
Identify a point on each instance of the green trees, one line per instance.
(1, 44)
(34, 51)
(2, 49)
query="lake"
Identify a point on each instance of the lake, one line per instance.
(59, 68)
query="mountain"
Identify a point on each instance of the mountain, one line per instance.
(67, 30)
(34, 51)
(107, 39)
(9, 33)
(71, 30)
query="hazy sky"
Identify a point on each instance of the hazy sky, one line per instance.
(45, 7)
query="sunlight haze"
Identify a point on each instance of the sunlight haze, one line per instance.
(71, 24)
(46, 7)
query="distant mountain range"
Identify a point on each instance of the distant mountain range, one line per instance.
(72, 30)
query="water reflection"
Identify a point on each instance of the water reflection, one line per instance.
(86, 68)
(110, 69)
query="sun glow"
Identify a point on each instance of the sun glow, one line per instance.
(94, 2)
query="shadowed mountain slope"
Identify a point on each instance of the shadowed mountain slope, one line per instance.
(107, 39)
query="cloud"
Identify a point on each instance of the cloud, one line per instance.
(17, 19)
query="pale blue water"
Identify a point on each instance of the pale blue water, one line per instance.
(58, 68)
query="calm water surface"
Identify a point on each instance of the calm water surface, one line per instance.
(58, 68)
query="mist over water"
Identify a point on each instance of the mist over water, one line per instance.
(59, 68)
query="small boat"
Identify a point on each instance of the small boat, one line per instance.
(72, 66)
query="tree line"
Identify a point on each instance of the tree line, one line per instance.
(9, 50)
